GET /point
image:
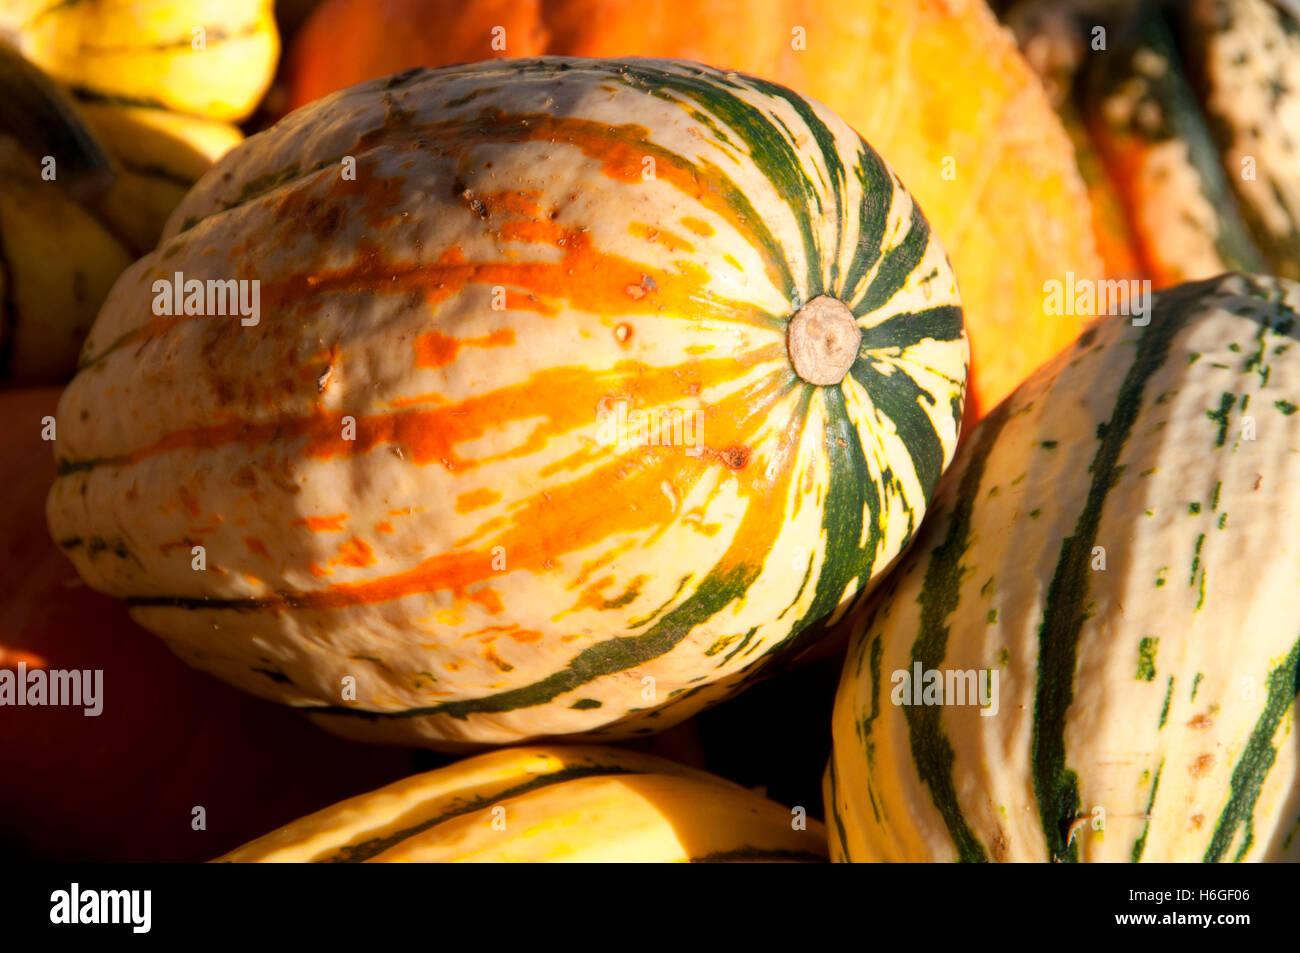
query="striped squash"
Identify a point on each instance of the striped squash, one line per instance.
(110, 112)
(412, 476)
(549, 805)
(184, 56)
(1191, 108)
(1118, 544)
(1153, 136)
(1247, 60)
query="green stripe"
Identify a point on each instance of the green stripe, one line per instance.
(865, 725)
(940, 594)
(834, 162)
(852, 498)
(898, 397)
(157, 172)
(1140, 844)
(907, 329)
(211, 38)
(771, 151)
(873, 216)
(833, 809)
(1056, 787)
(876, 655)
(1256, 761)
(896, 266)
(355, 853)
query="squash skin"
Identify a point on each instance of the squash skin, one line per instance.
(483, 567)
(121, 786)
(548, 805)
(1164, 685)
(936, 86)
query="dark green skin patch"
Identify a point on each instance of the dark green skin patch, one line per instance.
(1140, 844)
(1146, 668)
(932, 753)
(1056, 786)
(1164, 711)
(896, 266)
(873, 215)
(1256, 761)
(898, 397)
(1220, 417)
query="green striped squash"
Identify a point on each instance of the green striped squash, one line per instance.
(549, 805)
(1246, 57)
(1156, 141)
(580, 389)
(1192, 108)
(1114, 559)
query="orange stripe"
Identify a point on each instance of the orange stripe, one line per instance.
(323, 524)
(562, 520)
(620, 151)
(567, 398)
(436, 349)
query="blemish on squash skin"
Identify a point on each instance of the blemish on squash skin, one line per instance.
(371, 658)
(1201, 766)
(496, 660)
(356, 553)
(188, 500)
(736, 458)
(323, 524)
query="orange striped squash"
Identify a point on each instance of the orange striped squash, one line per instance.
(424, 505)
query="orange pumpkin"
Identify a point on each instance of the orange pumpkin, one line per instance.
(936, 86)
(123, 785)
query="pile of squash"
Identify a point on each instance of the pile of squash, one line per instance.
(640, 416)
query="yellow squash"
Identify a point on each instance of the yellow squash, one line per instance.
(537, 805)
(109, 112)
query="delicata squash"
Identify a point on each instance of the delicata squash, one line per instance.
(573, 394)
(549, 805)
(1092, 650)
